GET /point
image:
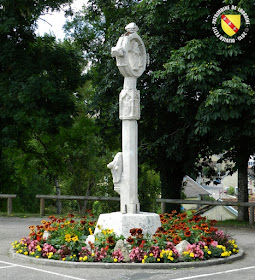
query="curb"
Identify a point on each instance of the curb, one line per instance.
(179, 265)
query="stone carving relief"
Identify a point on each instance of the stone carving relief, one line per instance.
(116, 167)
(130, 53)
(129, 102)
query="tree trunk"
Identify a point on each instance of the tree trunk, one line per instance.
(242, 166)
(58, 192)
(82, 205)
(243, 195)
(171, 185)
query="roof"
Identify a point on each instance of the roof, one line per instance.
(193, 189)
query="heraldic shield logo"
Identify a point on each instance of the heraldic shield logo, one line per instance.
(230, 24)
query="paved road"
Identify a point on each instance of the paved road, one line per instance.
(12, 229)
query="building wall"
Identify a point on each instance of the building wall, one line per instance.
(191, 206)
(230, 181)
(219, 213)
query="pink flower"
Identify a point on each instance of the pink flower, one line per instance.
(214, 243)
(32, 246)
(117, 254)
(136, 254)
(47, 248)
(99, 255)
(196, 250)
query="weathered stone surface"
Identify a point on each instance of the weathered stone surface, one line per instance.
(46, 235)
(131, 58)
(90, 239)
(181, 247)
(123, 248)
(122, 223)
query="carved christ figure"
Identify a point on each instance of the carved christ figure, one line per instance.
(135, 56)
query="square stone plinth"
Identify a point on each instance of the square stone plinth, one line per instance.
(122, 223)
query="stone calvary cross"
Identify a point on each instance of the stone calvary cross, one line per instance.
(131, 60)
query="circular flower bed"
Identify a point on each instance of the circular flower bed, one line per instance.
(180, 238)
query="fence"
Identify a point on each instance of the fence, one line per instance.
(163, 202)
(9, 201)
(71, 197)
(251, 205)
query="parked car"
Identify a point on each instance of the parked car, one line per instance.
(217, 181)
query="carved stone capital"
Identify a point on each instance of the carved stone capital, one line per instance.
(129, 103)
(130, 53)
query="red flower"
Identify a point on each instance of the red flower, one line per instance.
(130, 240)
(177, 240)
(110, 240)
(142, 243)
(187, 233)
(133, 231)
(139, 231)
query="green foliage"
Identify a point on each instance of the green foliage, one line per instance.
(149, 188)
(38, 79)
(231, 190)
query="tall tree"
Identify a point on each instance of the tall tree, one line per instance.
(187, 62)
(38, 78)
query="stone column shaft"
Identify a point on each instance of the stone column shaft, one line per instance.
(129, 192)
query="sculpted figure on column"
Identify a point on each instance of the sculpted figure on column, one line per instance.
(131, 59)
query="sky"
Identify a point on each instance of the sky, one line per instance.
(53, 23)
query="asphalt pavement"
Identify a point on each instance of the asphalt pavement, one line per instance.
(12, 229)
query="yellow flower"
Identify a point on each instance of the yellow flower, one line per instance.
(99, 227)
(68, 238)
(170, 258)
(37, 257)
(143, 260)
(85, 259)
(32, 253)
(115, 260)
(145, 257)
(50, 255)
(63, 259)
(209, 252)
(25, 253)
(109, 231)
(90, 231)
(75, 238)
(151, 255)
(39, 249)
(80, 258)
(158, 259)
(191, 255)
(93, 254)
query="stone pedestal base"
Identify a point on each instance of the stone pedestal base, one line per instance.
(122, 223)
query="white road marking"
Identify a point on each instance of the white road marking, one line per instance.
(214, 273)
(42, 270)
